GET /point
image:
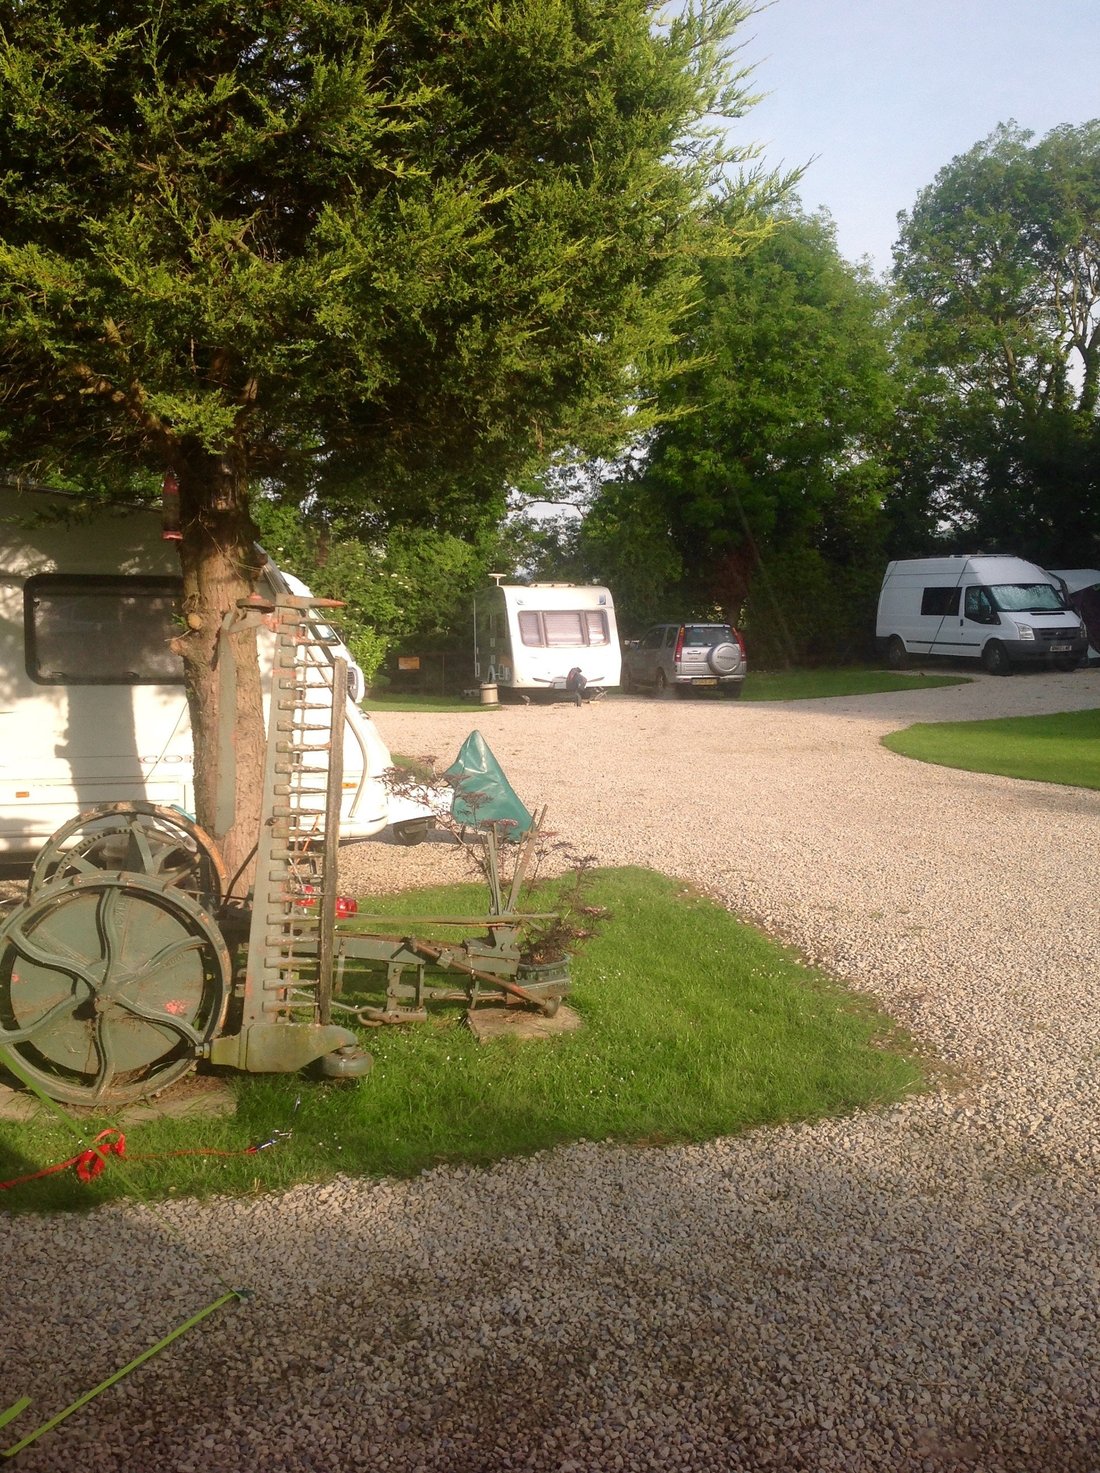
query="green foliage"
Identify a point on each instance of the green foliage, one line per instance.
(1064, 748)
(694, 1026)
(1000, 313)
(393, 252)
(769, 469)
(417, 581)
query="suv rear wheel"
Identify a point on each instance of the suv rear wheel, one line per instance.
(660, 684)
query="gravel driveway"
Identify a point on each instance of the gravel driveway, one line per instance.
(910, 1290)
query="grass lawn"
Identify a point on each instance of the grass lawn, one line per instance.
(809, 685)
(1049, 749)
(768, 685)
(379, 702)
(695, 1026)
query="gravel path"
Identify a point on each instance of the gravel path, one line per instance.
(911, 1290)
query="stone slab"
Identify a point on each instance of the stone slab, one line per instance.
(487, 1023)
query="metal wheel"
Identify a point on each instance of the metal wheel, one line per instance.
(139, 838)
(660, 685)
(109, 987)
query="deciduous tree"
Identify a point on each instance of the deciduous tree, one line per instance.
(998, 264)
(772, 454)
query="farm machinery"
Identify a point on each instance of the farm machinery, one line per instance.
(131, 959)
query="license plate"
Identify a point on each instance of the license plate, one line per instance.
(1059, 649)
(704, 682)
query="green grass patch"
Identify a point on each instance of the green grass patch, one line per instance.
(812, 685)
(387, 702)
(695, 1026)
(1064, 748)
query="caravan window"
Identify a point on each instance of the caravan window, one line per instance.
(101, 630)
(563, 628)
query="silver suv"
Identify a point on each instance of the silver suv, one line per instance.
(685, 658)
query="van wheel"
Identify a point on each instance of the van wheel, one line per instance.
(995, 658)
(897, 656)
(660, 685)
(1067, 663)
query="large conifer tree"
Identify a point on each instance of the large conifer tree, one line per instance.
(376, 251)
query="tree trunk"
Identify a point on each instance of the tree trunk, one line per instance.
(220, 567)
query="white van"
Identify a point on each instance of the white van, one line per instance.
(528, 637)
(92, 704)
(1000, 610)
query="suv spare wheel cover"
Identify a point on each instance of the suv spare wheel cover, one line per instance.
(724, 659)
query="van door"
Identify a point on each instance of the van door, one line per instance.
(978, 615)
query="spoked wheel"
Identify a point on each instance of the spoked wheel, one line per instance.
(139, 838)
(109, 987)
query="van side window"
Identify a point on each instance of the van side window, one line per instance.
(979, 606)
(940, 601)
(88, 629)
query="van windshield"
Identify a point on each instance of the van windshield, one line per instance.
(1027, 598)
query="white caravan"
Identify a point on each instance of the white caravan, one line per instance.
(999, 610)
(92, 705)
(529, 637)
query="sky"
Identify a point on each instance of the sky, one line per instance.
(876, 96)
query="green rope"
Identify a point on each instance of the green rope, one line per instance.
(111, 1380)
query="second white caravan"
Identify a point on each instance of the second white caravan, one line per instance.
(1002, 611)
(529, 637)
(92, 705)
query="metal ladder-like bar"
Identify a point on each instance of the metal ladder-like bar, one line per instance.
(291, 940)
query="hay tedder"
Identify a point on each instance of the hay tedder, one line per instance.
(131, 960)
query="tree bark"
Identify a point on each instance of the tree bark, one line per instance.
(220, 567)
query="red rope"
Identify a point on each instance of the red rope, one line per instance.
(91, 1162)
